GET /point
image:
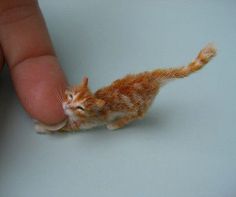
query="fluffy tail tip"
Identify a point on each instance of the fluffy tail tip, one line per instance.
(208, 52)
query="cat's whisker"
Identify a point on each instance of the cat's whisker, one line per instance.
(60, 95)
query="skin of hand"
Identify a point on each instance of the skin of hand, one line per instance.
(27, 49)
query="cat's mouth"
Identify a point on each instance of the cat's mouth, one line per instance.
(67, 110)
(72, 117)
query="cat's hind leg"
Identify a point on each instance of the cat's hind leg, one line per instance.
(131, 116)
(121, 122)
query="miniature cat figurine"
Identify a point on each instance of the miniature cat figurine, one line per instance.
(122, 102)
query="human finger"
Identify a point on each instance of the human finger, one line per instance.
(35, 70)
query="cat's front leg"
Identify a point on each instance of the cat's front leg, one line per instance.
(43, 128)
(72, 126)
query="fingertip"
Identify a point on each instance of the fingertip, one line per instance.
(37, 82)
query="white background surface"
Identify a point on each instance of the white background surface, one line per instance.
(186, 144)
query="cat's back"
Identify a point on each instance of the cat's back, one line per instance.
(127, 83)
(132, 86)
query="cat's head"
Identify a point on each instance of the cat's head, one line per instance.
(80, 102)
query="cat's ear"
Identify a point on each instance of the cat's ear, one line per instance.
(99, 103)
(85, 82)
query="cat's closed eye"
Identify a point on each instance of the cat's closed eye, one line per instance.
(80, 108)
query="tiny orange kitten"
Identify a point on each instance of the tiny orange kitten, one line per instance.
(122, 102)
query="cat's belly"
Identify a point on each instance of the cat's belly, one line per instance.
(95, 123)
(91, 124)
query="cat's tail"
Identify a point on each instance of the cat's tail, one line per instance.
(204, 56)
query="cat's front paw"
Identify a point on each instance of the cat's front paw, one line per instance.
(45, 129)
(40, 129)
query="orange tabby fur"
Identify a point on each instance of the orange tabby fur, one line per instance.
(126, 99)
